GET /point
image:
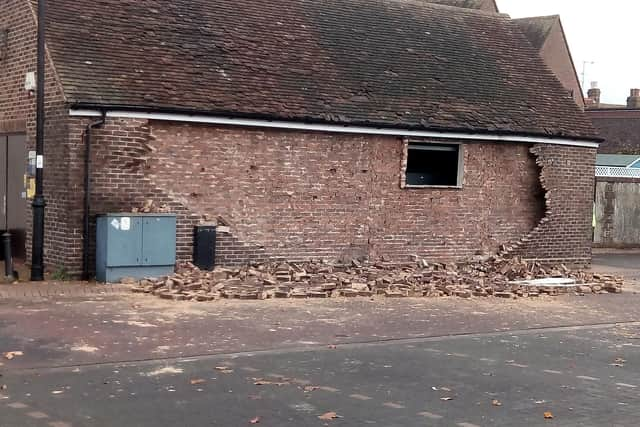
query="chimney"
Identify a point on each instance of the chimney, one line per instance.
(633, 101)
(593, 95)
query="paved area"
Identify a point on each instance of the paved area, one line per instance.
(625, 262)
(99, 356)
(584, 376)
(36, 290)
(85, 330)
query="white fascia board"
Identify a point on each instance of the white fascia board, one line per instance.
(317, 127)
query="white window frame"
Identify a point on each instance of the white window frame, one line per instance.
(406, 143)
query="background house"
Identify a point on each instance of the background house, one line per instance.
(310, 129)
(547, 36)
(618, 125)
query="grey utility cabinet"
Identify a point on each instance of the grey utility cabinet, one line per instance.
(135, 245)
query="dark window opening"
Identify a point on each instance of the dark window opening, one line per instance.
(433, 164)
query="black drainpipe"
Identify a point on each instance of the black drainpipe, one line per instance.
(87, 194)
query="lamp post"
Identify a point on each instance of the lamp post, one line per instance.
(37, 246)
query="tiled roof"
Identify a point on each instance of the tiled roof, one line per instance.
(620, 129)
(616, 160)
(396, 63)
(537, 28)
(486, 5)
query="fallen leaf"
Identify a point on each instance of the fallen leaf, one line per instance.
(260, 381)
(197, 381)
(309, 388)
(57, 392)
(11, 354)
(496, 402)
(446, 398)
(221, 368)
(329, 416)
(548, 416)
(255, 420)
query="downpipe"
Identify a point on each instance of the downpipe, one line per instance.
(87, 194)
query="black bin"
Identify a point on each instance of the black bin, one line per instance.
(204, 247)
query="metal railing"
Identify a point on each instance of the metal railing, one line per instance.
(617, 172)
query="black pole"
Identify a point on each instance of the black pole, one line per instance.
(37, 247)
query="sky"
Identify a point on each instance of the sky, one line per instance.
(598, 31)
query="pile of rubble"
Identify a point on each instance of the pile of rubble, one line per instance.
(494, 276)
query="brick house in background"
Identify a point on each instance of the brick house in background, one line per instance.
(618, 125)
(547, 36)
(309, 128)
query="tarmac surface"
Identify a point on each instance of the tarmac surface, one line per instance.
(110, 359)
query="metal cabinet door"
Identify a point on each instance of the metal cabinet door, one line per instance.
(159, 241)
(124, 247)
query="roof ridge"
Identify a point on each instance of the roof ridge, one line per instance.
(448, 6)
(555, 16)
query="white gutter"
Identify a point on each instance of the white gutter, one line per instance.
(215, 120)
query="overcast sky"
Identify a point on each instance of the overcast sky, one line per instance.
(598, 31)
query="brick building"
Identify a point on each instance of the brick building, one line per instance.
(546, 34)
(308, 128)
(618, 125)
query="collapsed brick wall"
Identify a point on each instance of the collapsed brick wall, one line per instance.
(17, 116)
(565, 232)
(297, 195)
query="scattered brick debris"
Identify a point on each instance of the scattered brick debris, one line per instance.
(489, 276)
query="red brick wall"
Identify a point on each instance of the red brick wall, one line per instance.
(17, 115)
(565, 233)
(15, 103)
(298, 195)
(119, 181)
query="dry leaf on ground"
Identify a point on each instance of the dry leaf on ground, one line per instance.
(11, 354)
(329, 416)
(197, 381)
(446, 398)
(255, 420)
(260, 381)
(496, 402)
(548, 416)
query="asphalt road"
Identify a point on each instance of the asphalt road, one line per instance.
(130, 360)
(583, 376)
